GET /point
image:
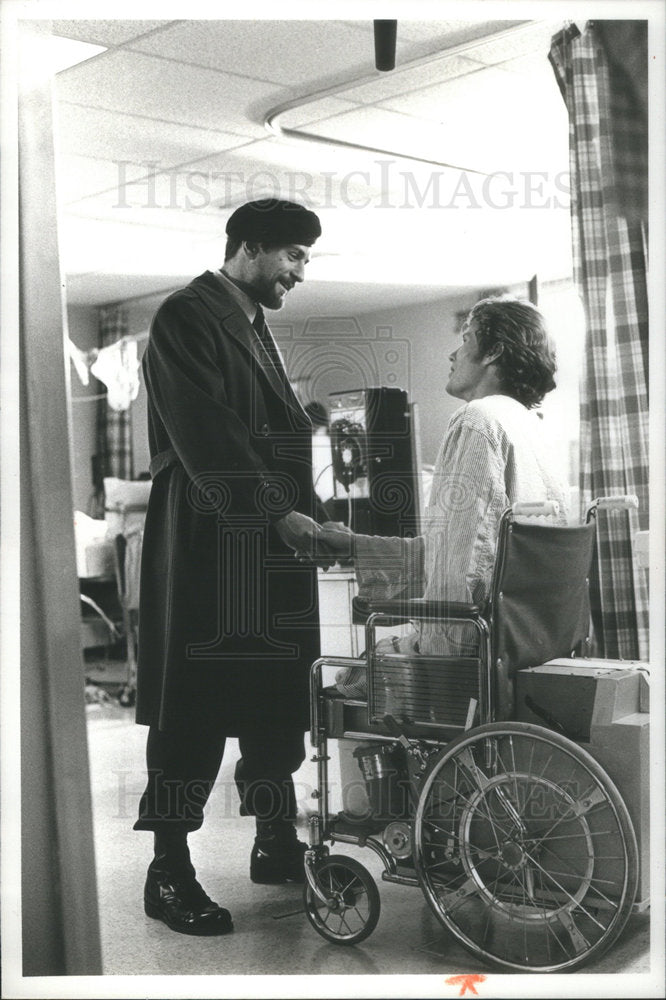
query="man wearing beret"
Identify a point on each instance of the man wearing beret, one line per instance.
(229, 620)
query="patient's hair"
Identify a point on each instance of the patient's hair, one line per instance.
(527, 362)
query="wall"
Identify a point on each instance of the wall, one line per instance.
(407, 347)
(422, 337)
(361, 351)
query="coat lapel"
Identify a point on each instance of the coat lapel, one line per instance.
(235, 322)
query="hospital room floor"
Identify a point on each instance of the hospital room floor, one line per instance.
(272, 935)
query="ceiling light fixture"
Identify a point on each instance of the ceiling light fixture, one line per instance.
(273, 124)
(386, 33)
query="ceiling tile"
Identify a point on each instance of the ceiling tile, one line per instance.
(405, 80)
(122, 248)
(313, 174)
(163, 89)
(449, 33)
(398, 133)
(532, 37)
(285, 52)
(80, 176)
(292, 52)
(533, 66)
(100, 133)
(318, 175)
(417, 38)
(107, 33)
(259, 169)
(153, 215)
(314, 110)
(509, 117)
(191, 97)
(482, 92)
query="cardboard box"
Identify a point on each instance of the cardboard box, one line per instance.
(602, 705)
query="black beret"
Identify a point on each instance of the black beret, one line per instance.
(274, 222)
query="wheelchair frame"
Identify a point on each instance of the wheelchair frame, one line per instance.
(487, 815)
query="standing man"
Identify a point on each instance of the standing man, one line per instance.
(229, 619)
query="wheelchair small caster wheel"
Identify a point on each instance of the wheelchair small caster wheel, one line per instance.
(351, 910)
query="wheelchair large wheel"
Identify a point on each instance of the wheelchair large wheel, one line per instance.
(525, 849)
(352, 908)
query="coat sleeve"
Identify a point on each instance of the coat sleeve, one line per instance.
(186, 385)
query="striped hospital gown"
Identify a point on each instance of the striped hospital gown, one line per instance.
(494, 453)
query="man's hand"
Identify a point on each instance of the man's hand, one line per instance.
(298, 531)
(336, 541)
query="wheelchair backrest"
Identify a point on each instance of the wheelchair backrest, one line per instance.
(539, 604)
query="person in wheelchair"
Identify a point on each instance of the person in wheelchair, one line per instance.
(494, 453)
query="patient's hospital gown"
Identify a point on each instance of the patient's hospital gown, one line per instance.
(494, 453)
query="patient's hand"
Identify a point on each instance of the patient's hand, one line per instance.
(336, 540)
(325, 545)
(300, 533)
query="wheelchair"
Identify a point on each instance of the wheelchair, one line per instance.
(517, 836)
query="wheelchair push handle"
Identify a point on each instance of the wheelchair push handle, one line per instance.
(628, 501)
(535, 508)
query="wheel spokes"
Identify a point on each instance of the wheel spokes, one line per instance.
(512, 846)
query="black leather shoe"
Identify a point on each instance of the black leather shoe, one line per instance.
(277, 857)
(181, 903)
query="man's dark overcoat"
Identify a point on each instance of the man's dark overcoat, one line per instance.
(228, 618)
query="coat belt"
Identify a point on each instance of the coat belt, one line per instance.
(162, 460)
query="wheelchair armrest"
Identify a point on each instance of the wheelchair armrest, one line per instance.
(406, 609)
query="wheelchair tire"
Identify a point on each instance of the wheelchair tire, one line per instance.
(525, 849)
(353, 909)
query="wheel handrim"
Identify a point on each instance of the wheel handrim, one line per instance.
(518, 856)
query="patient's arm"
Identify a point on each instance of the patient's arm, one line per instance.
(386, 567)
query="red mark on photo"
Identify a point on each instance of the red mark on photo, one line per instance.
(468, 982)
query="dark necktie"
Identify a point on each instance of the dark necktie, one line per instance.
(259, 321)
(272, 350)
(266, 337)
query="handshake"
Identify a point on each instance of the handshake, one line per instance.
(321, 544)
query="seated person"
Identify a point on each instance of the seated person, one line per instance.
(494, 453)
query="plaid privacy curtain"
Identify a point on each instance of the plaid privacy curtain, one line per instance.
(608, 165)
(114, 428)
